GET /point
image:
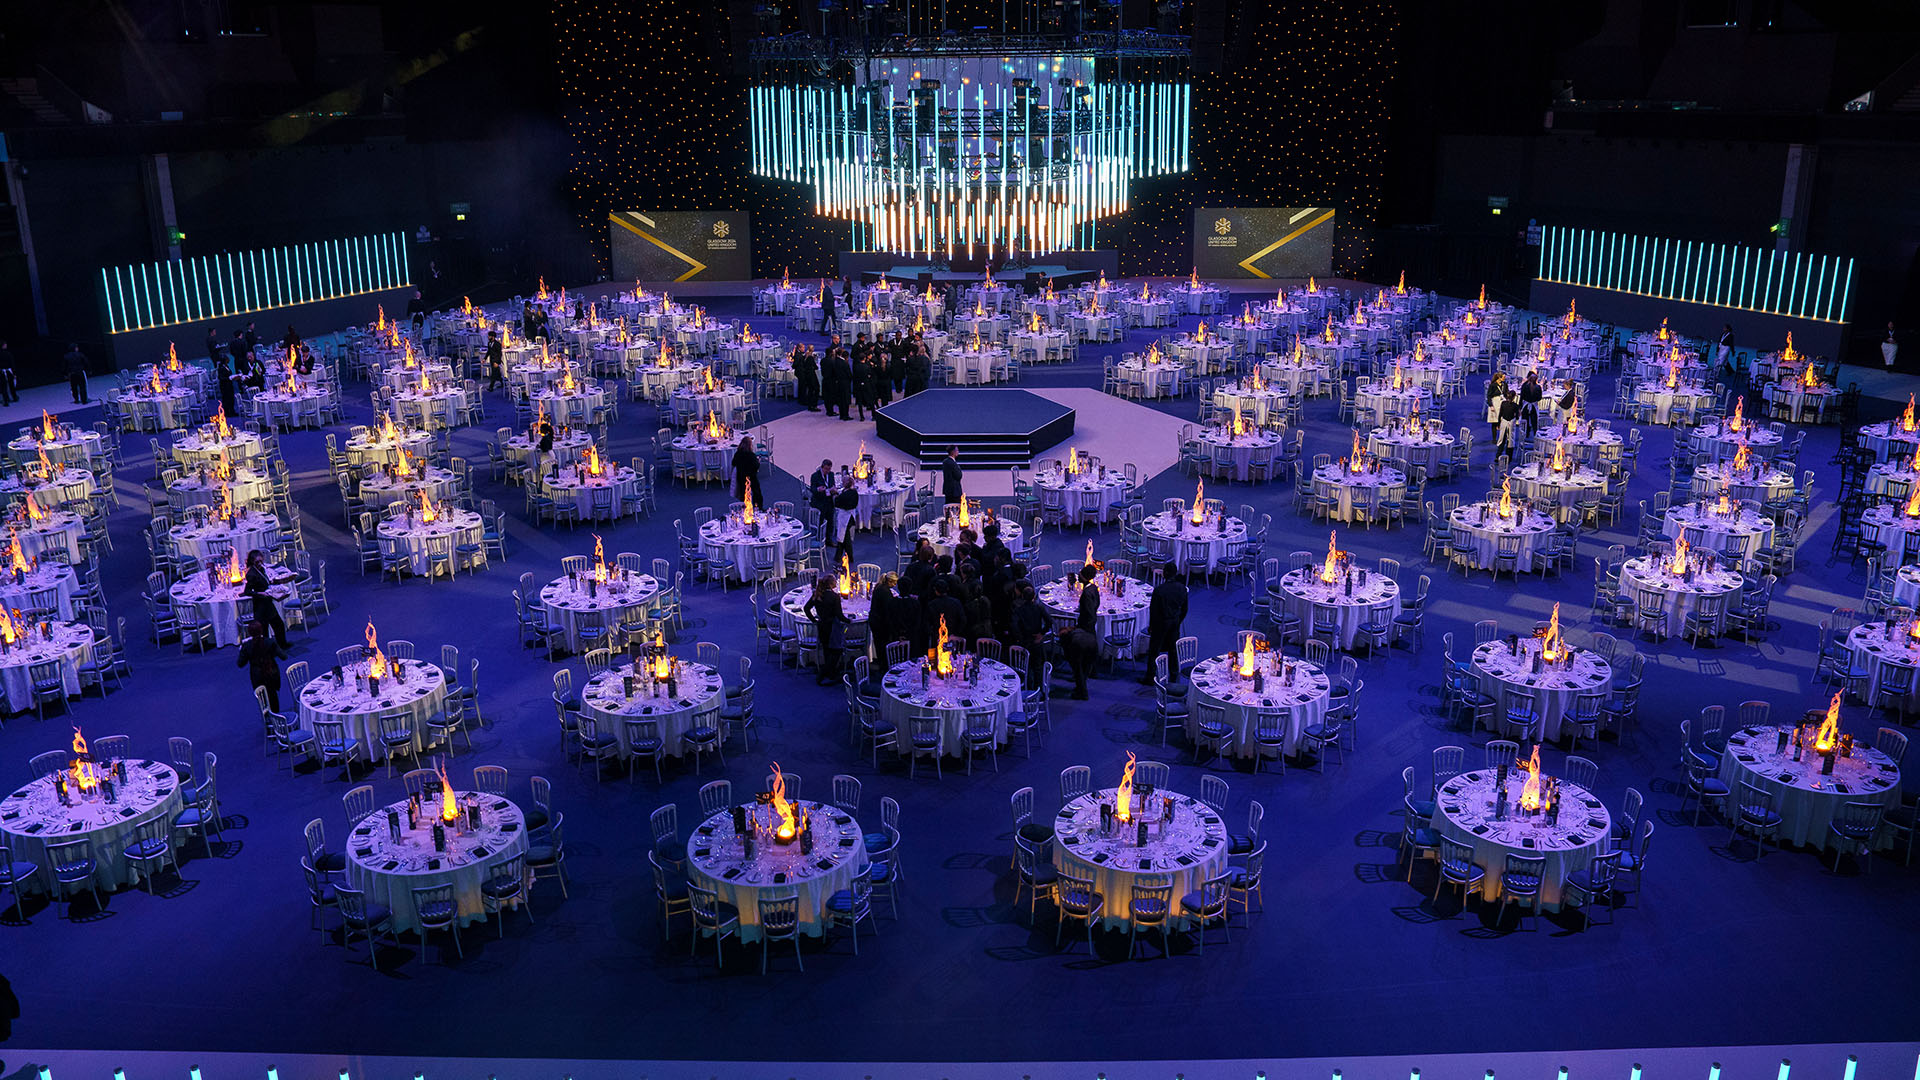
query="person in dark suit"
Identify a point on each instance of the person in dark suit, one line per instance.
(1530, 395)
(213, 345)
(885, 612)
(846, 513)
(542, 446)
(829, 618)
(919, 369)
(1166, 611)
(966, 551)
(258, 585)
(417, 311)
(864, 376)
(836, 378)
(820, 491)
(943, 605)
(746, 470)
(223, 375)
(950, 477)
(9, 378)
(496, 361)
(77, 373)
(261, 657)
(806, 378)
(1082, 650)
(1087, 617)
(828, 319)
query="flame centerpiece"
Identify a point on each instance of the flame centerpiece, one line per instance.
(1199, 503)
(1506, 498)
(1552, 647)
(1907, 420)
(942, 653)
(377, 665)
(1530, 792)
(83, 773)
(1828, 735)
(1123, 795)
(599, 559)
(843, 584)
(1330, 570)
(13, 627)
(790, 824)
(449, 808)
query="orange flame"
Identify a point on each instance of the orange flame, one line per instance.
(380, 318)
(1725, 505)
(376, 660)
(1399, 380)
(1673, 368)
(1742, 459)
(1401, 289)
(1663, 328)
(86, 775)
(1200, 332)
(1330, 570)
(235, 572)
(1506, 497)
(1199, 501)
(1327, 333)
(714, 430)
(155, 384)
(1907, 422)
(843, 584)
(966, 515)
(428, 512)
(1809, 377)
(1828, 736)
(1193, 279)
(1248, 663)
(50, 431)
(466, 306)
(599, 559)
(1482, 302)
(1913, 504)
(746, 512)
(17, 557)
(1312, 289)
(1573, 312)
(1356, 460)
(1073, 460)
(542, 294)
(1788, 353)
(449, 809)
(1550, 645)
(942, 655)
(1123, 795)
(1680, 549)
(592, 461)
(1530, 791)
(1739, 416)
(34, 513)
(1033, 323)
(12, 626)
(789, 819)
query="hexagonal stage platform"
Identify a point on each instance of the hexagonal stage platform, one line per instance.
(994, 428)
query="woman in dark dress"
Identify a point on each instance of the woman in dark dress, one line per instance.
(261, 657)
(824, 609)
(746, 469)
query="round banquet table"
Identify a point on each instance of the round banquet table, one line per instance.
(1805, 798)
(879, 495)
(973, 365)
(58, 530)
(1589, 443)
(857, 607)
(1747, 485)
(1704, 528)
(1010, 533)
(570, 407)
(388, 870)
(1714, 439)
(689, 403)
(1800, 399)
(148, 411)
(440, 406)
(204, 447)
(1360, 490)
(1095, 325)
(568, 600)
(1483, 534)
(73, 447)
(1187, 849)
(901, 697)
(1882, 477)
(1298, 379)
(421, 695)
(568, 445)
(1577, 482)
(535, 375)
(33, 817)
(713, 458)
(405, 375)
(29, 592)
(1385, 401)
(1553, 690)
(1906, 586)
(990, 328)
(69, 485)
(249, 531)
(716, 860)
(70, 643)
(570, 486)
(1302, 593)
(1089, 489)
(1147, 312)
(1678, 597)
(385, 450)
(1061, 597)
(1256, 405)
(381, 489)
(1237, 449)
(1464, 813)
(727, 541)
(1217, 681)
(1891, 526)
(221, 603)
(1668, 401)
(1888, 439)
(1427, 448)
(193, 489)
(1204, 357)
(701, 695)
(1045, 345)
(452, 527)
(658, 381)
(1877, 647)
(292, 408)
(1155, 380)
(1195, 547)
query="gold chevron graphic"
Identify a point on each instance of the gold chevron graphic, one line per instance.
(1248, 262)
(695, 264)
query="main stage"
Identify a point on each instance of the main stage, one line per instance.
(994, 428)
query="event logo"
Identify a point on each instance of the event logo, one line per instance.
(720, 228)
(1223, 227)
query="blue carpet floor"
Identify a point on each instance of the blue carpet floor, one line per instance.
(1346, 958)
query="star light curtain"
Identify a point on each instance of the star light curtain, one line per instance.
(973, 155)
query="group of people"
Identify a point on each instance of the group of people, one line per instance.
(239, 361)
(864, 377)
(1510, 409)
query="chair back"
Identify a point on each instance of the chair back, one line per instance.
(1075, 781)
(846, 793)
(665, 823)
(1447, 763)
(490, 779)
(1152, 899)
(715, 797)
(358, 803)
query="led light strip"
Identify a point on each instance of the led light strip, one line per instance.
(1795, 284)
(143, 296)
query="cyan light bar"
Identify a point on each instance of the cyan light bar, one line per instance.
(142, 296)
(1797, 284)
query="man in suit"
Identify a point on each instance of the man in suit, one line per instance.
(820, 491)
(806, 377)
(837, 377)
(77, 374)
(1166, 611)
(496, 361)
(950, 477)
(828, 320)
(1530, 395)
(943, 606)
(259, 585)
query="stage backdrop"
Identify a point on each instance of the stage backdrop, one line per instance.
(1263, 242)
(679, 245)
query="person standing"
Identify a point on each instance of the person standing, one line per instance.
(261, 657)
(1889, 349)
(919, 369)
(1087, 615)
(942, 605)
(884, 613)
(1496, 389)
(829, 620)
(839, 379)
(1723, 355)
(806, 378)
(542, 446)
(417, 311)
(746, 473)
(223, 374)
(846, 510)
(496, 361)
(259, 586)
(77, 374)
(10, 379)
(820, 492)
(213, 346)
(1166, 612)
(1029, 628)
(1530, 395)
(828, 320)
(1509, 417)
(951, 477)
(863, 375)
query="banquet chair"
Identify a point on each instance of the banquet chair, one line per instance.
(1034, 872)
(1075, 781)
(1521, 880)
(644, 741)
(436, 910)
(1207, 903)
(420, 781)
(490, 779)
(46, 683)
(1484, 631)
(320, 894)
(1151, 907)
(1853, 828)
(979, 730)
(1153, 773)
(333, 743)
(1754, 812)
(716, 796)
(1211, 731)
(1458, 868)
(1448, 761)
(1075, 897)
(790, 779)
(1502, 752)
(358, 803)
(359, 916)
(846, 793)
(780, 921)
(397, 736)
(1581, 771)
(1518, 720)
(47, 764)
(670, 891)
(1585, 718)
(1633, 854)
(925, 739)
(1213, 792)
(1891, 743)
(547, 855)
(1592, 885)
(713, 917)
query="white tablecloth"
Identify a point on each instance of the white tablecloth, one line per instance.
(1483, 536)
(1887, 439)
(1360, 489)
(1667, 401)
(1429, 449)
(571, 487)
(1805, 799)
(1163, 379)
(435, 408)
(72, 447)
(1188, 848)
(68, 486)
(1576, 483)
(1303, 591)
(1010, 533)
(221, 604)
(1712, 531)
(33, 817)
(1097, 489)
(732, 543)
(157, 412)
(56, 576)
(1217, 680)
(1191, 543)
(388, 870)
(901, 696)
(1241, 449)
(716, 861)
(1464, 813)
(605, 699)
(372, 447)
(1680, 598)
(422, 694)
(1061, 597)
(250, 531)
(1553, 690)
(247, 486)
(856, 606)
(1385, 401)
(417, 537)
(204, 447)
(1891, 526)
(1754, 485)
(615, 601)
(380, 489)
(1715, 439)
